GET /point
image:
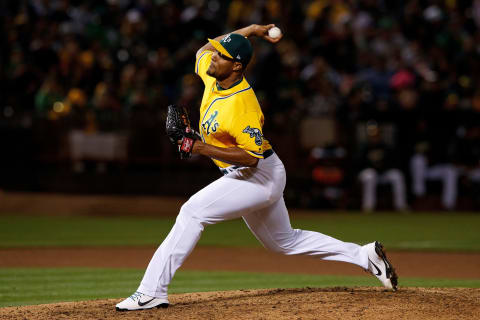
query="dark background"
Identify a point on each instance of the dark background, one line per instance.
(85, 86)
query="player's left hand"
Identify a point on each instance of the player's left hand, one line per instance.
(179, 131)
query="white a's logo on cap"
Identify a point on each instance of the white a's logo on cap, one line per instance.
(227, 38)
(238, 57)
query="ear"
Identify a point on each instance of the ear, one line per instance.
(237, 66)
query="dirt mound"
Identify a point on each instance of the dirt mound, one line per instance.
(307, 303)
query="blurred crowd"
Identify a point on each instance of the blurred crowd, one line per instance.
(357, 94)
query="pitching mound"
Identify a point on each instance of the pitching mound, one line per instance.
(308, 303)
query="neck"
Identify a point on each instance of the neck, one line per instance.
(228, 82)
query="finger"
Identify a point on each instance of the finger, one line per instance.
(273, 40)
(267, 27)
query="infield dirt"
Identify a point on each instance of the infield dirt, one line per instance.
(407, 264)
(309, 303)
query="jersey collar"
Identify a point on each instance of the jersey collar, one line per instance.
(233, 85)
(239, 85)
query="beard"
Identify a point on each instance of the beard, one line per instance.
(211, 71)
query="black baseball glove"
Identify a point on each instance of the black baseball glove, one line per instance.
(179, 131)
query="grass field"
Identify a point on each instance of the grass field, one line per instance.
(416, 231)
(22, 286)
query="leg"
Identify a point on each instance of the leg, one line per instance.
(368, 177)
(396, 179)
(225, 199)
(448, 174)
(271, 226)
(418, 168)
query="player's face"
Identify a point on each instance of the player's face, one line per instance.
(221, 67)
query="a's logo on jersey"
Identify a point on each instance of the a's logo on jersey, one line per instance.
(254, 132)
(211, 125)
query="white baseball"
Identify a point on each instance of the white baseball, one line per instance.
(274, 32)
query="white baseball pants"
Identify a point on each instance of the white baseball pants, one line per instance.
(446, 173)
(370, 178)
(256, 195)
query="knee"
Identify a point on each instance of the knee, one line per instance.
(188, 211)
(283, 245)
(279, 248)
(187, 208)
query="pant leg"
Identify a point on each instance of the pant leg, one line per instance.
(368, 178)
(271, 226)
(448, 174)
(226, 198)
(232, 196)
(396, 179)
(418, 168)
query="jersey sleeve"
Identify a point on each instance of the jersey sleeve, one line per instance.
(202, 64)
(247, 131)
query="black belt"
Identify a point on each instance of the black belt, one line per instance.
(267, 153)
(226, 171)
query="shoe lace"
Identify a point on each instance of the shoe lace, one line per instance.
(136, 296)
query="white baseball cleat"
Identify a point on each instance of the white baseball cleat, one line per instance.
(379, 265)
(140, 301)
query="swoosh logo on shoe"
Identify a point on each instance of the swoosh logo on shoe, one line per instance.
(379, 273)
(141, 304)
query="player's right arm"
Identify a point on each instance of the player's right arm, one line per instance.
(252, 30)
(204, 54)
(234, 155)
(246, 129)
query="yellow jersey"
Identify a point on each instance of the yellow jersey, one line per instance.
(230, 117)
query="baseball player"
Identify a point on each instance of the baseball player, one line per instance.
(230, 133)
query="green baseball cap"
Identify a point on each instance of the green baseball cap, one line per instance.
(234, 46)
